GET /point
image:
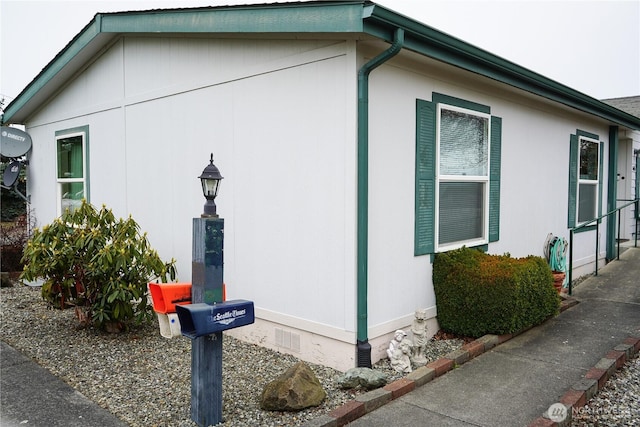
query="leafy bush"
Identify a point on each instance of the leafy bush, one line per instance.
(13, 205)
(13, 237)
(96, 263)
(478, 294)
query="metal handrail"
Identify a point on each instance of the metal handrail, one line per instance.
(635, 202)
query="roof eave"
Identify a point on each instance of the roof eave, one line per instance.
(357, 16)
(381, 22)
(311, 17)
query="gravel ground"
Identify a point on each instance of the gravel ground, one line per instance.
(617, 404)
(144, 379)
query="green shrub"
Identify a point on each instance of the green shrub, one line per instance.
(96, 263)
(478, 294)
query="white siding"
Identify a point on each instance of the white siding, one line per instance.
(281, 125)
(534, 184)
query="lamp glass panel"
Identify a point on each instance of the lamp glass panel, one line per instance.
(210, 187)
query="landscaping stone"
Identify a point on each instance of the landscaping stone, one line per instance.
(298, 388)
(366, 378)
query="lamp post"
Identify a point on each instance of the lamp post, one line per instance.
(209, 315)
(206, 287)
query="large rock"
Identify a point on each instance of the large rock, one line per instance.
(298, 388)
(366, 378)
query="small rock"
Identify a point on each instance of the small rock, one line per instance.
(298, 388)
(366, 378)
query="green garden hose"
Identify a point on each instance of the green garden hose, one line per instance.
(555, 250)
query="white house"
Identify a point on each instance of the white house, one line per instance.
(354, 143)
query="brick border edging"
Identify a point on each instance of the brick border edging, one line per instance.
(374, 399)
(593, 381)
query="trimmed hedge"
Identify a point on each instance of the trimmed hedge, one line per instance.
(479, 294)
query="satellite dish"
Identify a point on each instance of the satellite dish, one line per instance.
(11, 173)
(14, 142)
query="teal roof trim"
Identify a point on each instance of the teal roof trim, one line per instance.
(440, 46)
(356, 17)
(334, 17)
(53, 68)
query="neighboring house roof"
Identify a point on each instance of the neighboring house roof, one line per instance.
(630, 104)
(357, 18)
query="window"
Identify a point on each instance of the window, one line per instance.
(72, 169)
(462, 176)
(457, 175)
(588, 180)
(585, 178)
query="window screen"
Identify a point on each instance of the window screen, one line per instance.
(461, 211)
(464, 144)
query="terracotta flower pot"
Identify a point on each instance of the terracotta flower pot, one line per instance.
(558, 280)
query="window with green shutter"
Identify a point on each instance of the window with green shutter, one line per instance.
(72, 170)
(586, 154)
(457, 193)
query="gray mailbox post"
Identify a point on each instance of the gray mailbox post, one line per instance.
(205, 319)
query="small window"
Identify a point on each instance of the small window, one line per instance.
(72, 168)
(588, 180)
(585, 179)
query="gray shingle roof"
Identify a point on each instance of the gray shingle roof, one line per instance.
(629, 104)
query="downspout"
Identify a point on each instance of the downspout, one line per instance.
(612, 194)
(363, 348)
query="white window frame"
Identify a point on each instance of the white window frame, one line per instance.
(595, 182)
(484, 239)
(60, 181)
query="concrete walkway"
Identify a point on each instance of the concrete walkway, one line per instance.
(516, 382)
(33, 397)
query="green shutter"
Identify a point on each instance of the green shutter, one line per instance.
(600, 180)
(494, 179)
(573, 181)
(425, 177)
(637, 183)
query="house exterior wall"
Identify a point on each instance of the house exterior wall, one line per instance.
(280, 119)
(534, 183)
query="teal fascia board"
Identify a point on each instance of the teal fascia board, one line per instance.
(321, 17)
(337, 17)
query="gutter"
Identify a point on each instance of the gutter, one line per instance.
(363, 348)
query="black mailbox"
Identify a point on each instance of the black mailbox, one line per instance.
(197, 320)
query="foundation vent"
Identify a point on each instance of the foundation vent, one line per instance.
(287, 339)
